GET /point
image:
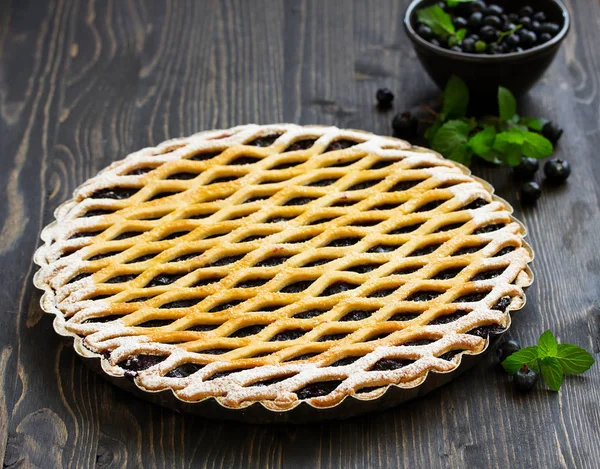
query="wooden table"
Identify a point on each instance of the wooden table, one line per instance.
(83, 83)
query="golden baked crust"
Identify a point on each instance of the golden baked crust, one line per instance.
(280, 264)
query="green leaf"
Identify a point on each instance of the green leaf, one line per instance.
(462, 154)
(452, 41)
(437, 19)
(533, 123)
(526, 356)
(450, 136)
(453, 3)
(513, 155)
(482, 142)
(573, 359)
(507, 104)
(493, 156)
(505, 139)
(547, 345)
(460, 34)
(431, 131)
(552, 372)
(536, 145)
(456, 98)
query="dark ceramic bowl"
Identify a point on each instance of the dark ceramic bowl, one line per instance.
(483, 73)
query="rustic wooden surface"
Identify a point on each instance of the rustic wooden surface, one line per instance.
(84, 82)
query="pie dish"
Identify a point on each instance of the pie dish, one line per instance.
(283, 267)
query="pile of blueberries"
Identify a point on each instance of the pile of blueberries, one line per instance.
(487, 26)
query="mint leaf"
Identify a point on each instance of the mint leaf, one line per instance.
(505, 139)
(547, 345)
(552, 372)
(536, 145)
(450, 136)
(493, 156)
(533, 123)
(507, 104)
(456, 98)
(461, 154)
(526, 356)
(437, 19)
(482, 142)
(431, 131)
(573, 359)
(453, 3)
(512, 154)
(460, 34)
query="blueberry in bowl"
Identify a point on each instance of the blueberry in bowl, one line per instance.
(506, 43)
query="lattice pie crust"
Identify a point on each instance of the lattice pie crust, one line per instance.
(280, 264)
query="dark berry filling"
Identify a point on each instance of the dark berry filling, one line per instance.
(387, 364)
(311, 313)
(357, 315)
(338, 287)
(224, 306)
(297, 287)
(343, 242)
(423, 295)
(448, 318)
(290, 334)
(164, 279)
(248, 331)
(317, 389)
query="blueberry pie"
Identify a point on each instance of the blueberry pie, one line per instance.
(282, 265)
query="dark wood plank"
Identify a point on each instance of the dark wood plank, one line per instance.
(83, 83)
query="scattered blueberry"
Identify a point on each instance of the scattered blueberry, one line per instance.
(489, 33)
(424, 31)
(513, 40)
(525, 379)
(459, 22)
(478, 5)
(557, 170)
(495, 49)
(475, 19)
(552, 132)
(527, 38)
(493, 10)
(530, 192)
(539, 16)
(525, 21)
(506, 349)
(550, 28)
(384, 97)
(513, 17)
(527, 169)
(526, 11)
(405, 125)
(468, 45)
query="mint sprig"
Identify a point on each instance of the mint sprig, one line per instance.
(502, 139)
(551, 359)
(438, 20)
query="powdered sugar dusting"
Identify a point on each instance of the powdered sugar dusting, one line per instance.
(70, 303)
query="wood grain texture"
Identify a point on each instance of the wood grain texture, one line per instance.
(84, 82)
